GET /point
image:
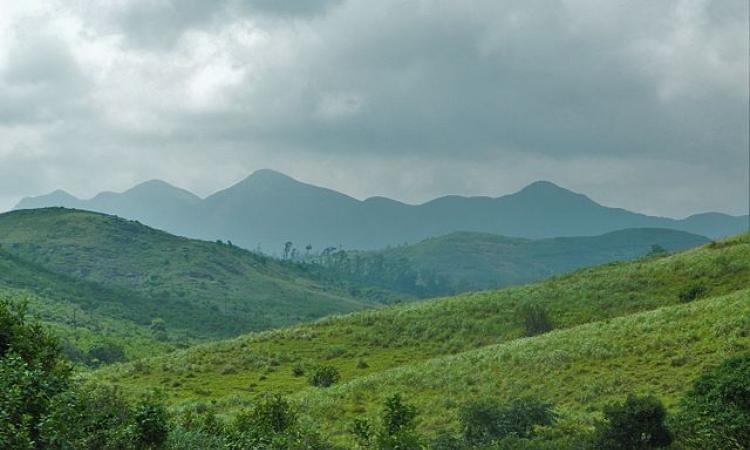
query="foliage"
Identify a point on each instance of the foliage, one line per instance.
(486, 421)
(693, 292)
(535, 320)
(31, 372)
(716, 412)
(100, 418)
(396, 430)
(324, 376)
(106, 353)
(638, 423)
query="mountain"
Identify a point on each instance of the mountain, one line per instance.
(269, 208)
(650, 326)
(200, 289)
(470, 261)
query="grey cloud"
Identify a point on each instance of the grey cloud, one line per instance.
(338, 85)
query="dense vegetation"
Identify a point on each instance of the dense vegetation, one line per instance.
(461, 262)
(200, 289)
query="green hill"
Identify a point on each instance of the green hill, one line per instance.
(372, 342)
(465, 261)
(579, 370)
(82, 313)
(200, 289)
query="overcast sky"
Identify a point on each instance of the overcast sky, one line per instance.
(639, 104)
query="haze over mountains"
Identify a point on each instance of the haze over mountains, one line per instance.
(269, 208)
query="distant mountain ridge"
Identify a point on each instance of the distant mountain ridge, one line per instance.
(268, 208)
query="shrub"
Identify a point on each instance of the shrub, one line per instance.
(324, 376)
(397, 428)
(716, 412)
(485, 421)
(535, 320)
(32, 371)
(99, 418)
(106, 353)
(638, 423)
(362, 364)
(298, 370)
(692, 293)
(272, 424)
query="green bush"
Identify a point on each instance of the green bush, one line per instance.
(535, 320)
(106, 353)
(397, 428)
(638, 423)
(486, 421)
(716, 412)
(692, 293)
(324, 376)
(32, 371)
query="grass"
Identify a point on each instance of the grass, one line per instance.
(239, 369)
(200, 289)
(579, 369)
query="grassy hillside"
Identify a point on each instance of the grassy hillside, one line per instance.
(199, 288)
(374, 341)
(579, 369)
(464, 261)
(83, 314)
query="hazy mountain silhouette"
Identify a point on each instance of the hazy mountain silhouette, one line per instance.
(269, 208)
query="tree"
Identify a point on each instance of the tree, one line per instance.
(638, 423)
(287, 248)
(486, 421)
(106, 353)
(32, 371)
(159, 329)
(397, 428)
(716, 411)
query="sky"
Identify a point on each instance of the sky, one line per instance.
(639, 104)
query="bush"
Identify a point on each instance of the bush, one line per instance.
(32, 371)
(324, 376)
(397, 428)
(298, 370)
(692, 293)
(638, 423)
(99, 417)
(535, 320)
(106, 353)
(486, 421)
(272, 424)
(716, 412)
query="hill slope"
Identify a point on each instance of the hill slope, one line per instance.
(579, 370)
(201, 289)
(82, 313)
(464, 261)
(407, 334)
(268, 208)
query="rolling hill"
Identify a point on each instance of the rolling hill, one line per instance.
(464, 261)
(200, 289)
(268, 208)
(82, 313)
(650, 325)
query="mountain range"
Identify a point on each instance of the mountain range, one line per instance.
(268, 209)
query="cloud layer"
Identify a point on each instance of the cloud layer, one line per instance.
(640, 104)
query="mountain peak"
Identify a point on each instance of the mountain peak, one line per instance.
(267, 178)
(542, 186)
